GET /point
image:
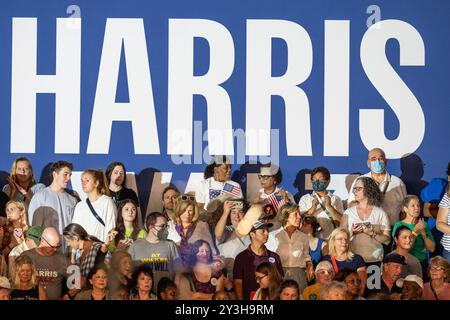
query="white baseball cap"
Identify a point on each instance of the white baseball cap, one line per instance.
(410, 278)
(4, 283)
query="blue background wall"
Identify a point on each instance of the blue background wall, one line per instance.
(428, 83)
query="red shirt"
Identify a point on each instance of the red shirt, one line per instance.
(245, 265)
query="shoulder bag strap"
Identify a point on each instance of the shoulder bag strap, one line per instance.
(94, 213)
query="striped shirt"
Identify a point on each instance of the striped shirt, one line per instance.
(445, 203)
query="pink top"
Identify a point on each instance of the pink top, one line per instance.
(428, 294)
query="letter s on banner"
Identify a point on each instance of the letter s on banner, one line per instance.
(392, 88)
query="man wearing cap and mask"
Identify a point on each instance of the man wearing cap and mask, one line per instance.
(392, 188)
(5, 289)
(32, 240)
(155, 250)
(246, 262)
(392, 269)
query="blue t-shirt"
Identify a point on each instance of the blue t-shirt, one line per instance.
(354, 264)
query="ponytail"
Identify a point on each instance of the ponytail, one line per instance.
(99, 177)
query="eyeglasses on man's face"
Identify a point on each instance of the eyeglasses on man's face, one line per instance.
(50, 245)
(381, 158)
(161, 226)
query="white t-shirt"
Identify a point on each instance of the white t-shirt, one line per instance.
(105, 208)
(445, 203)
(322, 217)
(370, 249)
(173, 234)
(209, 189)
(393, 198)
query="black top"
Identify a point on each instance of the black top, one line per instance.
(31, 294)
(383, 290)
(123, 194)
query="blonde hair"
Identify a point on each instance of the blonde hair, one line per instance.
(18, 263)
(99, 176)
(181, 206)
(32, 179)
(285, 212)
(23, 220)
(332, 240)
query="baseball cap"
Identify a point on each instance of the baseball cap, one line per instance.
(394, 258)
(35, 233)
(410, 278)
(4, 283)
(261, 224)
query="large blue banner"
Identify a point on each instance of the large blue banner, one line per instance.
(160, 85)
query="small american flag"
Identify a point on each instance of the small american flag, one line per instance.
(214, 193)
(228, 188)
(276, 201)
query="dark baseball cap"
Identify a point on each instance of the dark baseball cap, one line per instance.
(394, 258)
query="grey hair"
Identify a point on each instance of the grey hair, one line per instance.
(327, 287)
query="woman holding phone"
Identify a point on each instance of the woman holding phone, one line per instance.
(367, 222)
(12, 234)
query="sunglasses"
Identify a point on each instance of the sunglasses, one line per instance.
(51, 246)
(185, 197)
(263, 177)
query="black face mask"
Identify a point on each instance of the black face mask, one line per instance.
(162, 234)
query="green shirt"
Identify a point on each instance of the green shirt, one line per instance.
(418, 249)
(128, 231)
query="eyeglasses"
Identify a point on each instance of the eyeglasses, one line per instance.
(259, 278)
(51, 246)
(185, 197)
(325, 271)
(357, 189)
(263, 177)
(436, 268)
(341, 239)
